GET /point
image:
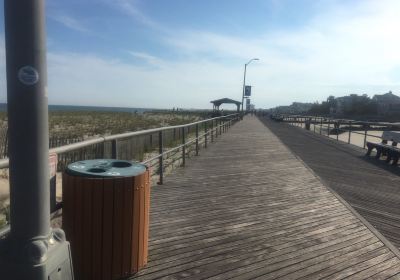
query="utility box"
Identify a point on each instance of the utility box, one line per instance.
(106, 217)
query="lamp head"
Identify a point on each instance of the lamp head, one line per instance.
(251, 60)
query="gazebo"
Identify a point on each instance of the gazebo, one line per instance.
(218, 102)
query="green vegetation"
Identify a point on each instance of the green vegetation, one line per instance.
(89, 124)
(66, 127)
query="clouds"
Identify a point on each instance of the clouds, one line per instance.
(354, 51)
(344, 47)
(129, 7)
(70, 22)
(150, 59)
(96, 81)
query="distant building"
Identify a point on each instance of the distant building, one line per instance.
(343, 104)
(294, 108)
(347, 104)
(387, 104)
(299, 107)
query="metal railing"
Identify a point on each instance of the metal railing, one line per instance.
(205, 131)
(333, 128)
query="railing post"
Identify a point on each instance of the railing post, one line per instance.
(197, 139)
(183, 147)
(348, 140)
(315, 121)
(365, 137)
(205, 135)
(329, 127)
(114, 149)
(220, 126)
(337, 131)
(160, 159)
(320, 127)
(212, 133)
(151, 140)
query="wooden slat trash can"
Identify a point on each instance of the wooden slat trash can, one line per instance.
(106, 217)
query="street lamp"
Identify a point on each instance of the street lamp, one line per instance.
(244, 79)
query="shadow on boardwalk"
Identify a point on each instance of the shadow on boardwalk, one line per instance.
(371, 186)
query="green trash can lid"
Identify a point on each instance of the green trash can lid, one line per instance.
(104, 168)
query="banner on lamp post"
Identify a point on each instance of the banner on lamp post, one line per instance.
(247, 91)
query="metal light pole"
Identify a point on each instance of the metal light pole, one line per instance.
(32, 250)
(244, 79)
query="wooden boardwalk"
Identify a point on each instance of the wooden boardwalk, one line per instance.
(371, 186)
(247, 208)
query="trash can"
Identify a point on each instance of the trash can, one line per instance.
(106, 217)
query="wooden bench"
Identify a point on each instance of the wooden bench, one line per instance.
(390, 151)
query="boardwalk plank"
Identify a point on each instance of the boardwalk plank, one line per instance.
(246, 208)
(369, 185)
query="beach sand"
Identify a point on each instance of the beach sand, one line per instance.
(356, 136)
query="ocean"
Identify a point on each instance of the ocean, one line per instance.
(3, 108)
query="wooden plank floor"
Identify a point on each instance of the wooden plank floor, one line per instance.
(247, 208)
(371, 186)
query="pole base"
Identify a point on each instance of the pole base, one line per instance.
(43, 260)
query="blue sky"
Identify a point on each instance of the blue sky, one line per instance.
(184, 53)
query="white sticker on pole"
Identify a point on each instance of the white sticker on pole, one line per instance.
(28, 75)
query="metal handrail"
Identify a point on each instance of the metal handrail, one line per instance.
(324, 122)
(102, 139)
(345, 120)
(79, 145)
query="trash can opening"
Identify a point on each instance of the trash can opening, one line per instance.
(97, 170)
(121, 164)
